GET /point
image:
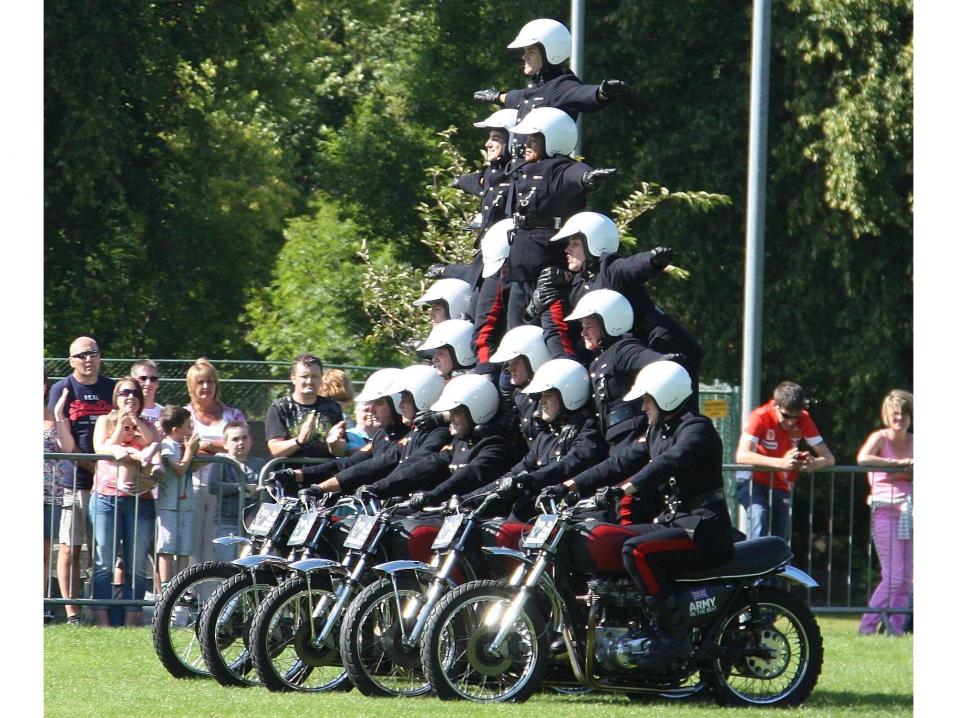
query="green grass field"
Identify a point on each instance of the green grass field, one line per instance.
(114, 672)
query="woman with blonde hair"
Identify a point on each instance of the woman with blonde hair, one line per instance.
(210, 416)
(892, 506)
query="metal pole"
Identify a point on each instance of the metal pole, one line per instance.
(757, 181)
(578, 54)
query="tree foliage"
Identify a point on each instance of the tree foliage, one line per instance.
(199, 153)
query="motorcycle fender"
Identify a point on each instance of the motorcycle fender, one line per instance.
(798, 576)
(391, 567)
(232, 540)
(307, 565)
(510, 552)
(257, 561)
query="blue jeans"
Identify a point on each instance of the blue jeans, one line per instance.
(768, 510)
(134, 521)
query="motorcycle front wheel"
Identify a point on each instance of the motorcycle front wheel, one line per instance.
(379, 663)
(176, 617)
(282, 635)
(455, 646)
(224, 626)
(771, 652)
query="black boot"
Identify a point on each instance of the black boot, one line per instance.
(668, 641)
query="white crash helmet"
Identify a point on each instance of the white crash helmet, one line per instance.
(557, 127)
(567, 377)
(500, 119)
(455, 334)
(601, 233)
(473, 391)
(615, 311)
(454, 292)
(550, 34)
(422, 381)
(379, 386)
(525, 340)
(495, 246)
(667, 382)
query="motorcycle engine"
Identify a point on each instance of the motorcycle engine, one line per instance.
(621, 614)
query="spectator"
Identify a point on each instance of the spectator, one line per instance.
(176, 500)
(210, 417)
(336, 385)
(232, 489)
(56, 438)
(298, 424)
(146, 373)
(122, 508)
(88, 396)
(892, 506)
(771, 439)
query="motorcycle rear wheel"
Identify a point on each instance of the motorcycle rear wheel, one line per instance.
(773, 658)
(454, 646)
(379, 664)
(283, 653)
(224, 626)
(176, 617)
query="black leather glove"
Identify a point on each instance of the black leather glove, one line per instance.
(487, 96)
(608, 495)
(286, 479)
(505, 487)
(595, 177)
(610, 89)
(661, 257)
(554, 492)
(554, 278)
(435, 271)
(540, 300)
(427, 420)
(419, 499)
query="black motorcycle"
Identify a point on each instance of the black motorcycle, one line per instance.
(381, 632)
(573, 608)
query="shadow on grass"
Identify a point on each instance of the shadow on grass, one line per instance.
(822, 697)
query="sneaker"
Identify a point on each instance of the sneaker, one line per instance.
(73, 620)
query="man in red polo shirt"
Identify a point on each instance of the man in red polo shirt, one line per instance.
(771, 439)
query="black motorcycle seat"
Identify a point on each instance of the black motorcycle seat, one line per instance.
(750, 558)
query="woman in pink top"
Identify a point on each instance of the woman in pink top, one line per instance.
(892, 506)
(210, 417)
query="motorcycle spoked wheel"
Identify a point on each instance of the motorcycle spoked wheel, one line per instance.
(176, 617)
(281, 640)
(379, 664)
(454, 646)
(773, 658)
(224, 626)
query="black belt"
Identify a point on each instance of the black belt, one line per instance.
(523, 222)
(623, 413)
(701, 499)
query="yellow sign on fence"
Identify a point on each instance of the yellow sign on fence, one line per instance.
(715, 408)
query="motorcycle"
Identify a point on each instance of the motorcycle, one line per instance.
(176, 616)
(224, 620)
(294, 634)
(572, 600)
(379, 640)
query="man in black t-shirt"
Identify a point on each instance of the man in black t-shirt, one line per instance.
(88, 396)
(298, 424)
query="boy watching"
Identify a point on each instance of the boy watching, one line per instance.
(232, 488)
(175, 498)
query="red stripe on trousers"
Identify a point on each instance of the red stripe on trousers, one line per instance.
(483, 341)
(640, 552)
(558, 316)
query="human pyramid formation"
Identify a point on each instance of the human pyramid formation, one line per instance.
(524, 395)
